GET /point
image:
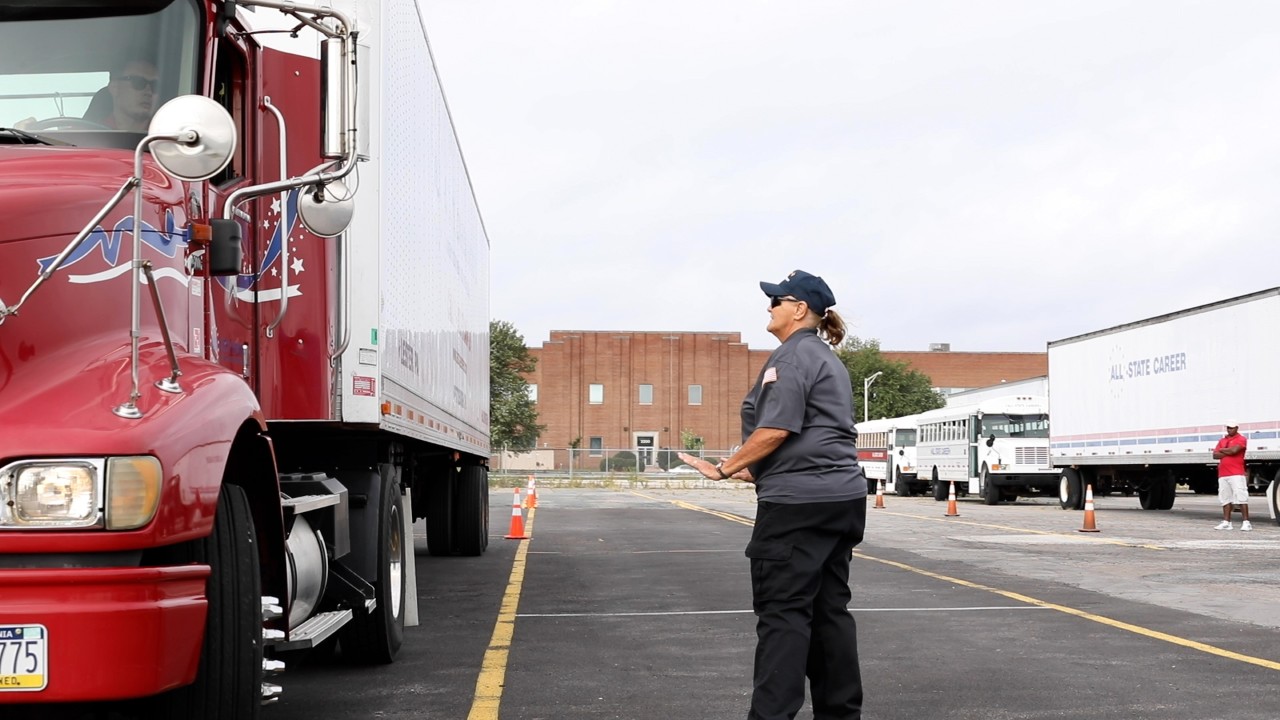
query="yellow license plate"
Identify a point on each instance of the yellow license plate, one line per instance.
(24, 658)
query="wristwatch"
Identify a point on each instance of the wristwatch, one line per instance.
(720, 469)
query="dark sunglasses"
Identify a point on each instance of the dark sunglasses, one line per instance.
(140, 83)
(776, 301)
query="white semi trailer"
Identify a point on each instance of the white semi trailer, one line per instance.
(1138, 408)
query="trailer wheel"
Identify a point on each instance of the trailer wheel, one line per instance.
(473, 511)
(939, 490)
(439, 492)
(1273, 497)
(1159, 493)
(374, 638)
(990, 493)
(1070, 492)
(228, 683)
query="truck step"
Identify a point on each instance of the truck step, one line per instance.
(314, 631)
(307, 503)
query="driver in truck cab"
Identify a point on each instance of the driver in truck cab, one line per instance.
(129, 100)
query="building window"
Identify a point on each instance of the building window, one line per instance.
(646, 394)
(595, 393)
(695, 394)
(597, 446)
(532, 389)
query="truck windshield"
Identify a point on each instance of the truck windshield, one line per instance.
(1015, 426)
(93, 73)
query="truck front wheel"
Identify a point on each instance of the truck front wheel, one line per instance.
(374, 638)
(990, 493)
(228, 684)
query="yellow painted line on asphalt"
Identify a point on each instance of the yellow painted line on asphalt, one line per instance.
(1079, 536)
(1118, 624)
(1128, 627)
(698, 508)
(493, 669)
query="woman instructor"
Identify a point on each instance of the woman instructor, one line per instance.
(799, 449)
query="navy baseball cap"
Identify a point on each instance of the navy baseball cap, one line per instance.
(803, 286)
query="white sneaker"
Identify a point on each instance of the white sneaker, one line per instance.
(1246, 526)
(1224, 525)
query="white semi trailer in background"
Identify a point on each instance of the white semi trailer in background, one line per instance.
(1139, 407)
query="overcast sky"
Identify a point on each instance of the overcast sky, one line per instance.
(994, 175)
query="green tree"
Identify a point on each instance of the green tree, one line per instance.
(690, 439)
(898, 391)
(513, 416)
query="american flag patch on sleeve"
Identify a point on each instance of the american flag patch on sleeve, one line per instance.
(770, 375)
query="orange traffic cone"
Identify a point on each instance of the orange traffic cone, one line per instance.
(517, 521)
(951, 501)
(1090, 523)
(880, 494)
(531, 495)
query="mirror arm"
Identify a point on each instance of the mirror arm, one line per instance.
(129, 410)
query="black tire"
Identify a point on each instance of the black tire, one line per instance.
(902, 487)
(990, 493)
(472, 516)
(1168, 491)
(1070, 490)
(1273, 497)
(940, 491)
(374, 638)
(1146, 497)
(228, 684)
(439, 492)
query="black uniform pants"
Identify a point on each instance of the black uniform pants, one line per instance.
(800, 591)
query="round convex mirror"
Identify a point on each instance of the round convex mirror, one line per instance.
(326, 212)
(208, 153)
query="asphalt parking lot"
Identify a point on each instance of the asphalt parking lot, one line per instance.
(634, 603)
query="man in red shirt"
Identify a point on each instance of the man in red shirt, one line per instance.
(1232, 490)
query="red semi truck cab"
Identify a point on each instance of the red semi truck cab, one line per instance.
(209, 456)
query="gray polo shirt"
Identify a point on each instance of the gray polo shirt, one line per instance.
(805, 390)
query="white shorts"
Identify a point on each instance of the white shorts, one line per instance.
(1232, 489)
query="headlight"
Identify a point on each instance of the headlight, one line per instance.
(51, 493)
(119, 493)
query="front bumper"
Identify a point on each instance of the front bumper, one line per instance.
(113, 633)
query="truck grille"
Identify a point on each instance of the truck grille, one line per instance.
(1031, 455)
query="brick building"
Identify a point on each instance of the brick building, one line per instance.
(639, 390)
(953, 372)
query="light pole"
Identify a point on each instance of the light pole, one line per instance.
(866, 392)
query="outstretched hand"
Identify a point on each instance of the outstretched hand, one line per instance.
(708, 469)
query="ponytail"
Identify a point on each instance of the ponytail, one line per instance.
(831, 327)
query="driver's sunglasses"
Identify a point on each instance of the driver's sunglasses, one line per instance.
(776, 301)
(140, 83)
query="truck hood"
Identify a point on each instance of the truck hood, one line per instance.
(52, 191)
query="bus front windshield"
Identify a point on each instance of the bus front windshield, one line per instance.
(1015, 426)
(94, 72)
(904, 438)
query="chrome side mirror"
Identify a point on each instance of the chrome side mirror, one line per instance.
(326, 210)
(205, 137)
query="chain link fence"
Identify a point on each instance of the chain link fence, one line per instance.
(612, 467)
